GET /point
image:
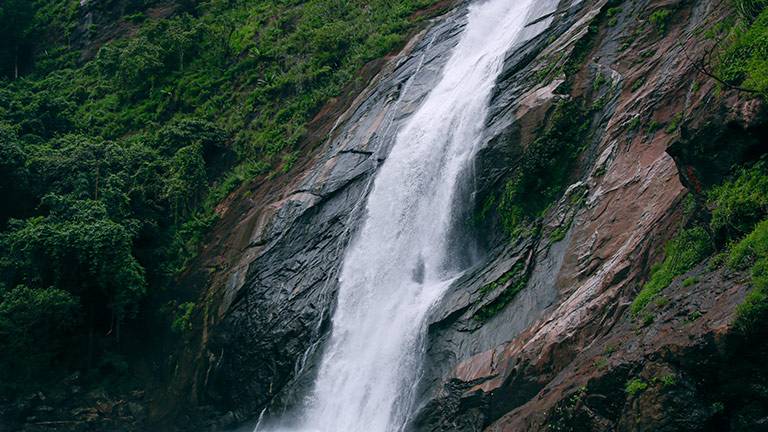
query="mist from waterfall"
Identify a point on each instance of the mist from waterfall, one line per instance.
(397, 267)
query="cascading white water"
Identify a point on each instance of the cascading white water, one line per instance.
(396, 268)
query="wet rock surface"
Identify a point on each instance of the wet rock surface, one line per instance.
(268, 309)
(519, 369)
(70, 408)
(557, 353)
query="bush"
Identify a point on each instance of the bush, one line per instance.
(34, 325)
(682, 253)
(744, 60)
(79, 249)
(182, 320)
(659, 19)
(691, 281)
(740, 207)
(752, 253)
(635, 386)
(739, 204)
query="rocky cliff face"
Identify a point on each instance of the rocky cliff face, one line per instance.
(538, 335)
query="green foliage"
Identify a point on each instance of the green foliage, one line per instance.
(111, 167)
(187, 181)
(633, 124)
(542, 174)
(612, 15)
(78, 248)
(718, 407)
(520, 277)
(569, 414)
(744, 60)
(739, 208)
(16, 20)
(669, 380)
(647, 319)
(545, 166)
(752, 251)
(182, 321)
(690, 281)
(14, 175)
(635, 386)
(559, 233)
(653, 126)
(739, 204)
(659, 19)
(684, 251)
(34, 329)
(674, 123)
(599, 81)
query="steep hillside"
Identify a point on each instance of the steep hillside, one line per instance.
(181, 180)
(605, 194)
(123, 125)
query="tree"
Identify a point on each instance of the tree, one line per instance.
(140, 63)
(76, 248)
(182, 32)
(187, 182)
(14, 187)
(34, 324)
(16, 20)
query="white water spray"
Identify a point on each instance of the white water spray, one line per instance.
(396, 268)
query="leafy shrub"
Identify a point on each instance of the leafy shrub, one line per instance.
(744, 60)
(751, 248)
(690, 281)
(34, 325)
(635, 386)
(78, 248)
(739, 204)
(612, 15)
(182, 321)
(752, 252)
(739, 208)
(674, 123)
(659, 19)
(559, 233)
(637, 84)
(653, 126)
(669, 380)
(682, 253)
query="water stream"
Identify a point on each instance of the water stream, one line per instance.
(401, 260)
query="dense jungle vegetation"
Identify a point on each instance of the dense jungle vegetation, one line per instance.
(122, 125)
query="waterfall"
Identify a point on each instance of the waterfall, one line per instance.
(398, 266)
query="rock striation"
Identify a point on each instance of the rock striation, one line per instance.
(538, 334)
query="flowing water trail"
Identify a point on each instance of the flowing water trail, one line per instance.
(398, 265)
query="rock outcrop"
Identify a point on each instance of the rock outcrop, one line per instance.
(538, 334)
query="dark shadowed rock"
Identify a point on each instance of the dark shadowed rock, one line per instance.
(556, 353)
